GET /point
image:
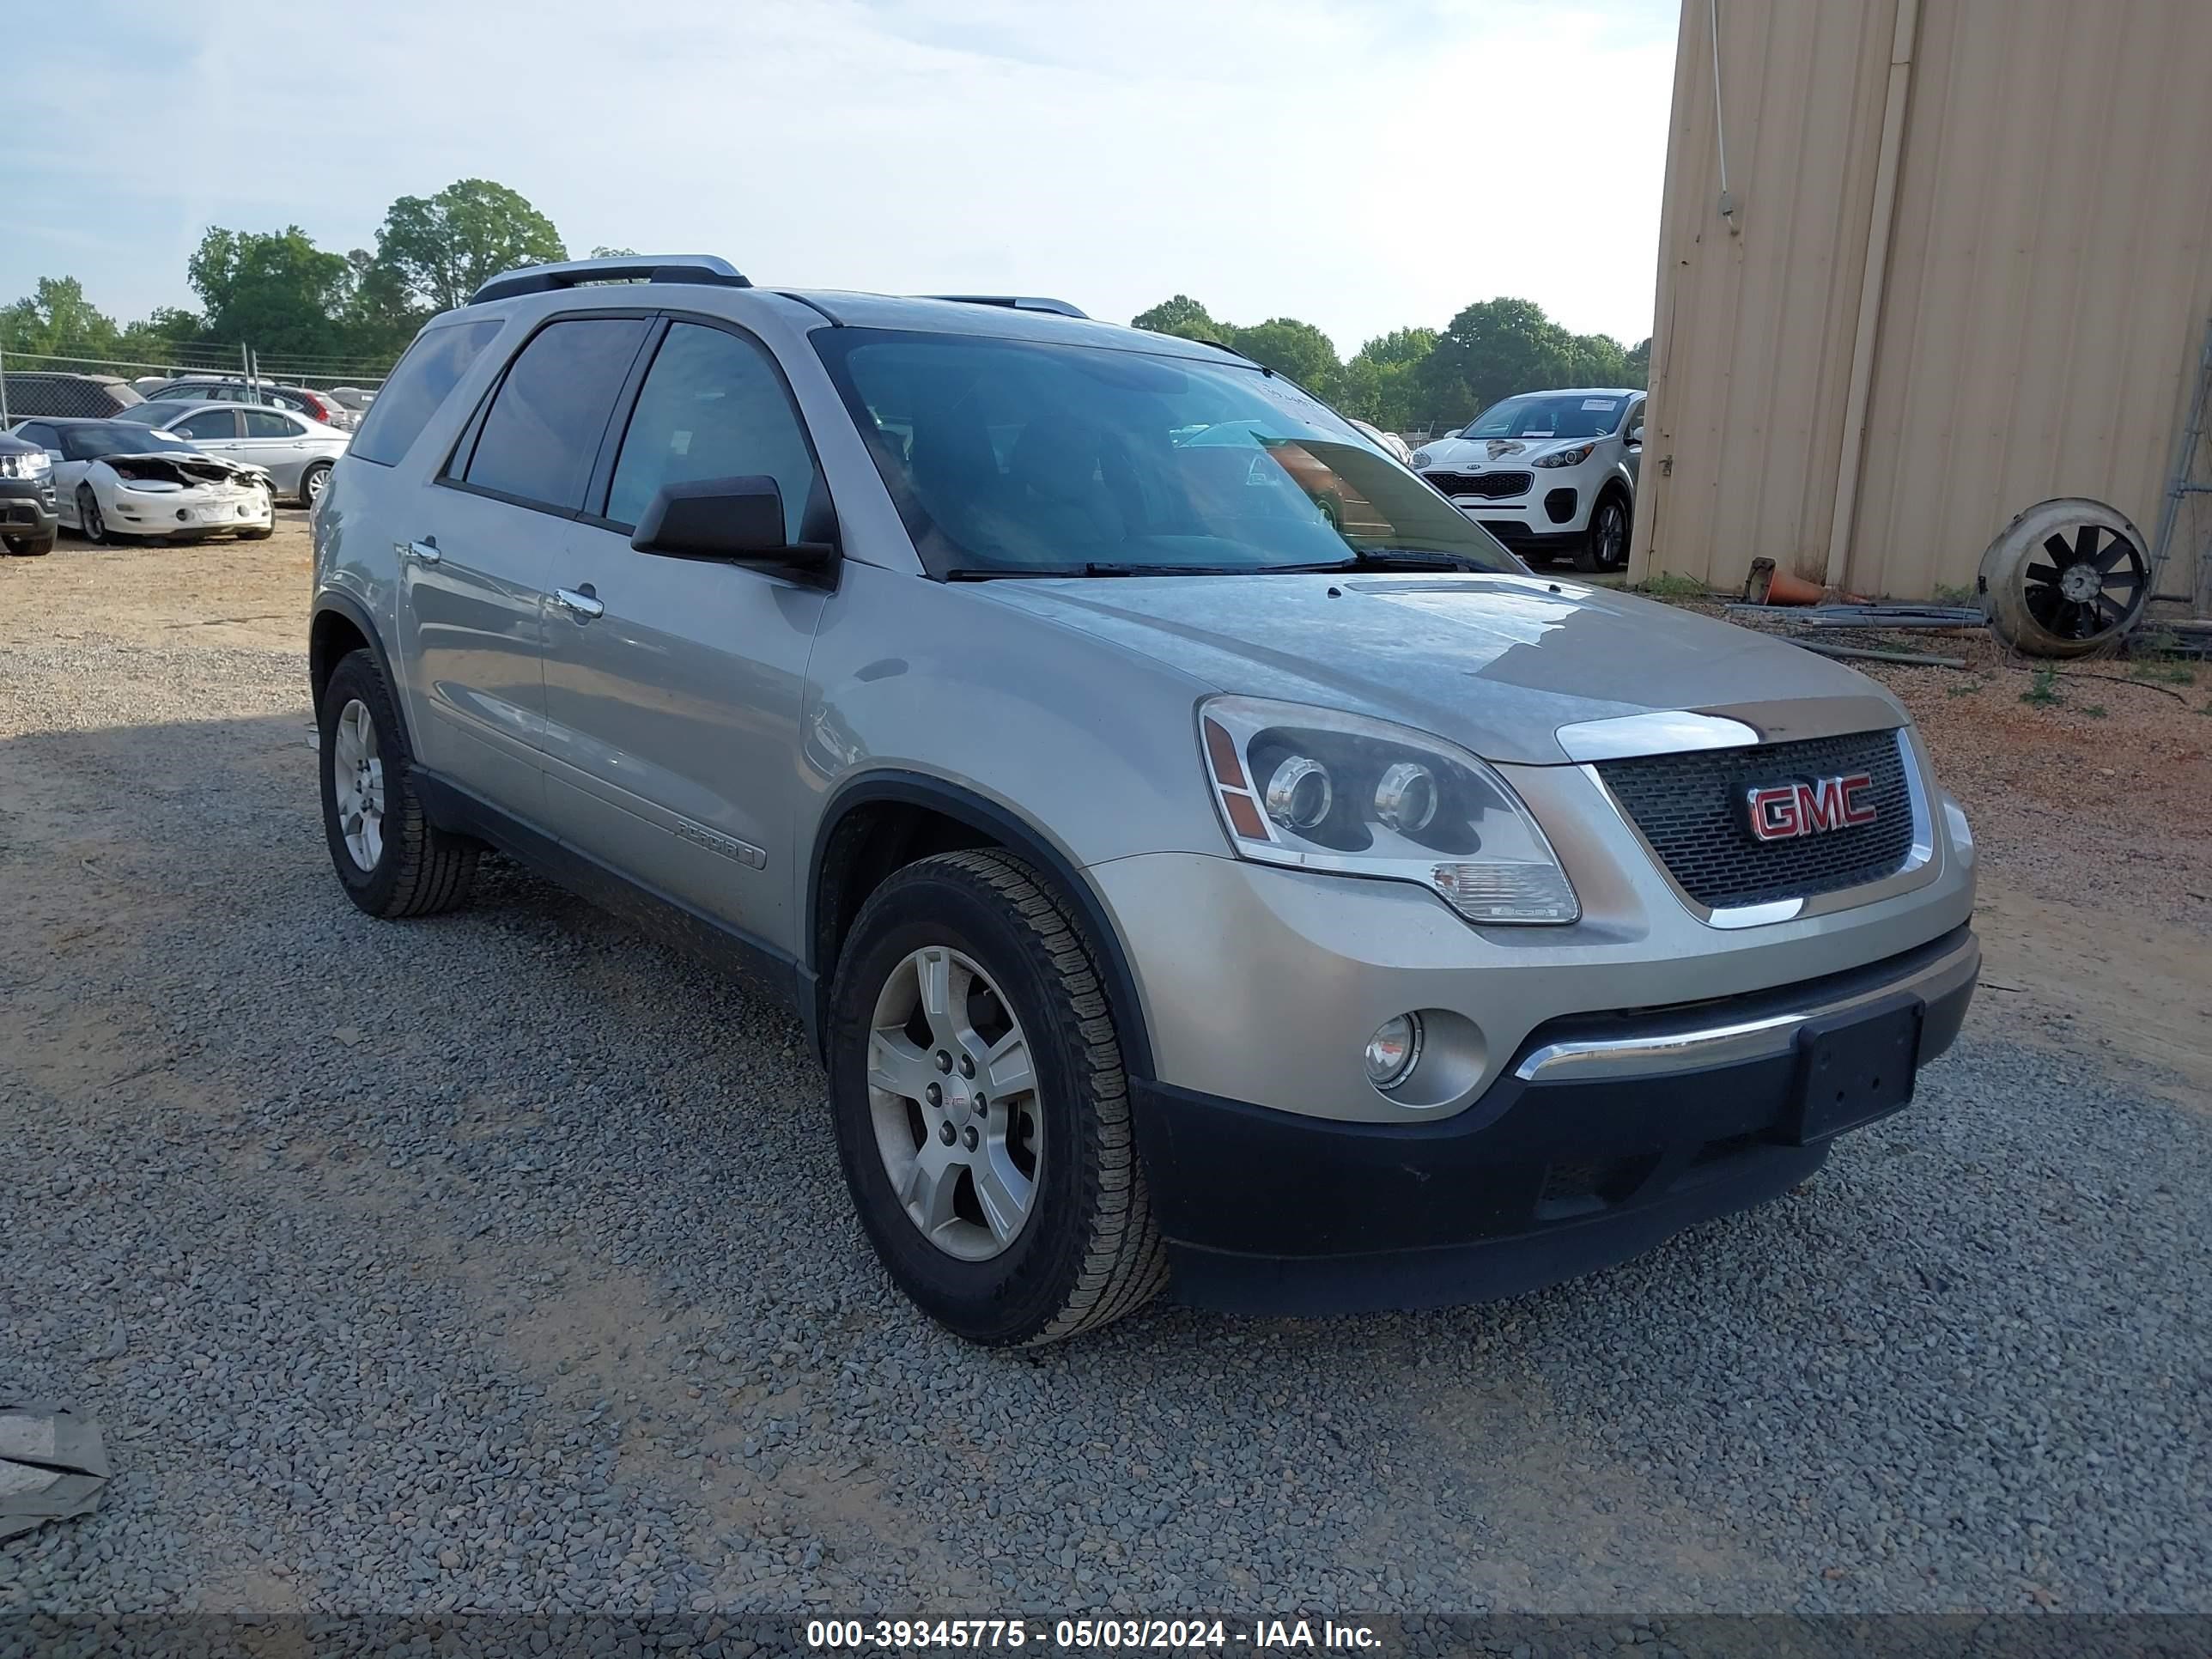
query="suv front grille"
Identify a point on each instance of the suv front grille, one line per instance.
(1690, 807)
(1491, 486)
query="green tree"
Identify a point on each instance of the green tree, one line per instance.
(603, 252)
(1182, 315)
(441, 248)
(1639, 363)
(57, 320)
(1492, 350)
(1292, 348)
(1381, 382)
(1598, 360)
(155, 340)
(277, 290)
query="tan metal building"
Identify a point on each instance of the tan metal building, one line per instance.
(1966, 266)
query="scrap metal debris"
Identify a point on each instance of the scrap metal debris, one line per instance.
(53, 1465)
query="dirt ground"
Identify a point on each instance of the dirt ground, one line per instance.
(168, 958)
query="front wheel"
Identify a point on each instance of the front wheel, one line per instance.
(28, 547)
(1605, 547)
(89, 524)
(982, 1111)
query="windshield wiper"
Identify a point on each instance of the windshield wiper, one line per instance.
(989, 573)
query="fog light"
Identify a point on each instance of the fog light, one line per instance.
(1393, 1051)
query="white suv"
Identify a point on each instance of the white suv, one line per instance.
(1551, 474)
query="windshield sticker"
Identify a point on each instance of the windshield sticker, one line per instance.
(1545, 433)
(1606, 404)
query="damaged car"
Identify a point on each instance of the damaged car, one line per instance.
(117, 479)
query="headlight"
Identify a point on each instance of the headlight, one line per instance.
(1574, 457)
(36, 464)
(1319, 790)
(1421, 457)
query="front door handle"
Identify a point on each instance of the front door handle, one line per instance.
(583, 606)
(422, 552)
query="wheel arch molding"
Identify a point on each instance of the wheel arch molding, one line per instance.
(996, 825)
(323, 658)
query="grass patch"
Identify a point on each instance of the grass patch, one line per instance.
(1948, 593)
(2095, 711)
(1962, 688)
(2044, 691)
(1668, 586)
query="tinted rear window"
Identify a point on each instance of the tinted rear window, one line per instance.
(543, 431)
(434, 365)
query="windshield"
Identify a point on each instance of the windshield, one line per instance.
(89, 443)
(1550, 414)
(1013, 456)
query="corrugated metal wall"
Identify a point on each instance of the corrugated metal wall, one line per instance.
(2044, 294)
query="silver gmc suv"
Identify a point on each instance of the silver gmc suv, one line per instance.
(1203, 855)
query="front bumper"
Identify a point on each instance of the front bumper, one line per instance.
(1602, 1136)
(27, 508)
(190, 513)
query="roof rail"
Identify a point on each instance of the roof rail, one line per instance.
(706, 267)
(1014, 302)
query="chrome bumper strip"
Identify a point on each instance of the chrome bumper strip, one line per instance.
(1649, 1053)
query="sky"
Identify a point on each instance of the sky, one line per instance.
(1364, 165)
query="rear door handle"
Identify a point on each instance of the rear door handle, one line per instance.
(422, 552)
(582, 606)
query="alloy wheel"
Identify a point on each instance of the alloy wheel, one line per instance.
(953, 1096)
(1611, 536)
(89, 521)
(357, 781)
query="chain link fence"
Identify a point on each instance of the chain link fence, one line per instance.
(48, 383)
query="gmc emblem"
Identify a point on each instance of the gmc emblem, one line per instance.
(1782, 811)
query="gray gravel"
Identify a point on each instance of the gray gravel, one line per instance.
(502, 1261)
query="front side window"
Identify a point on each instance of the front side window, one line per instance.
(31, 433)
(713, 406)
(541, 432)
(269, 424)
(1020, 456)
(216, 423)
(422, 380)
(1549, 415)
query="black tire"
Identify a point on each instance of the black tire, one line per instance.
(29, 547)
(89, 524)
(311, 482)
(421, 869)
(1604, 549)
(1089, 1252)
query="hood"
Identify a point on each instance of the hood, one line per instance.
(1496, 664)
(168, 466)
(1472, 454)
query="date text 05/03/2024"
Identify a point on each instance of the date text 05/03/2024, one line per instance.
(1089, 1635)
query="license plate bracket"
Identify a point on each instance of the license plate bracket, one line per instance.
(1854, 1068)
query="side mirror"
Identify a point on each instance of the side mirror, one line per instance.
(740, 520)
(1636, 433)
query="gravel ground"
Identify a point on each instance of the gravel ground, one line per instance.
(502, 1261)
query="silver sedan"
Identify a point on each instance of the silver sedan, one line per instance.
(297, 452)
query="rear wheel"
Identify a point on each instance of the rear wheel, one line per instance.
(1605, 544)
(390, 858)
(981, 1110)
(312, 481)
